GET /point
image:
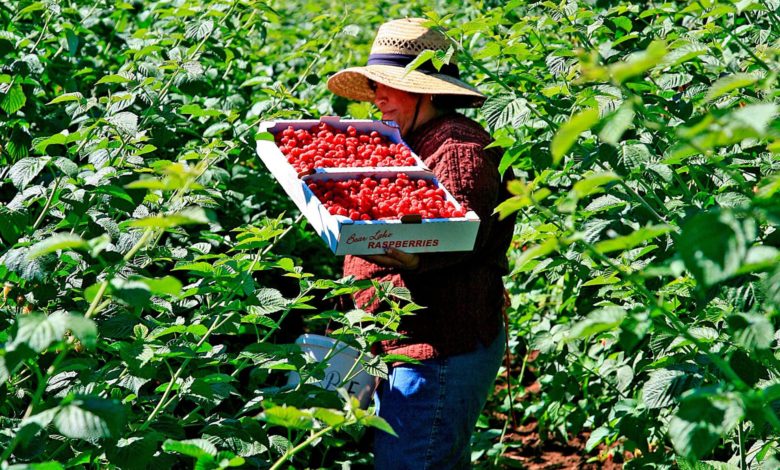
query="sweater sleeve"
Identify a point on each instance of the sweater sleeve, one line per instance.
(468, 172)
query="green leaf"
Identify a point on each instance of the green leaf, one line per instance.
(167, 285)
(67, 166)
(83, 328)
(197, 448)
(271, 300)
(617, 124)
(639, 62)
(39, 331)
(36, 466)
(664, 386)
(637, 237)
(515, 203)
(40, 145)
(134, 452)
(26, 169)
(543, 249)
(752, 331)
(265, 136)
(506, 109)
(330, 417)
(199, 29)
(569, 132)
(90, 418)
(188, 216)
(623, 23)
(378, 423)
(125, 122)
(714, 244)
(197, 111)
(288, 417)
(596, 437)
(592, 183)
(132, 292)
(65, 97)
(701, 422)
(56, 242)
(421, 58)
(598, 321)
(112, 78)
(730, 83)
(705, 465)
(14, 99)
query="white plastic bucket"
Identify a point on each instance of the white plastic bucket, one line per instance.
(340, 364)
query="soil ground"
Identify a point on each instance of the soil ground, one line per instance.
(527, 450)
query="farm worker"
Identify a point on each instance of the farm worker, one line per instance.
(459, 336)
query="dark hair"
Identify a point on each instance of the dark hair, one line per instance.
(451, 102)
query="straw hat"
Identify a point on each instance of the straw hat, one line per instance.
(397, 44)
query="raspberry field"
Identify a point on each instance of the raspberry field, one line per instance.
(155, 275)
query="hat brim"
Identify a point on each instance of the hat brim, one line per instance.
(352, 83)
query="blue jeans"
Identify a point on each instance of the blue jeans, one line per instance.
(433, 407)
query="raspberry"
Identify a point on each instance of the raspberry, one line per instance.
(370, 198)
(323, 146)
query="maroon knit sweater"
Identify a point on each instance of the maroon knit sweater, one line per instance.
(462, 292)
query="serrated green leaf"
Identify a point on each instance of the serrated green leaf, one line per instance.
(112, 78)
(596, 437)
(39, 331)
(617, 124)
(378, 423)
(752, 331)
(189, 216)
(665, 386)
(506, 109)
(125, 122)
(14, 99)
(730, 83)
(65, 97)
(598, 321)
(635, 238)
(288, 417)
(199, 29)
(593, 183)
(714, 244)
(701, 422)
(40, 145)
(90, 418)
(329, 417)
(569, 132)
(421, 58)
(56, 242)
(197, 448)
(26, 169)
(639, 62)
(66, 166)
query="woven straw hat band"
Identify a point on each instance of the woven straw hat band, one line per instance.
(399, 42)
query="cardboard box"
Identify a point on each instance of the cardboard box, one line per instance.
(345, 236)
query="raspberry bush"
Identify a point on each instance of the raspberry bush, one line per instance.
(154, 275)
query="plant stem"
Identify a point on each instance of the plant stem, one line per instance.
(218, 321)
(290, 453)
(47, 205)
(741, 439)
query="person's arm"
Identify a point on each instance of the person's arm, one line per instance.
(472, 178)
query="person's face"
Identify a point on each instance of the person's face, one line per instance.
(395, 105)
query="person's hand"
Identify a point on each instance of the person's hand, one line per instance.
(395, 259)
